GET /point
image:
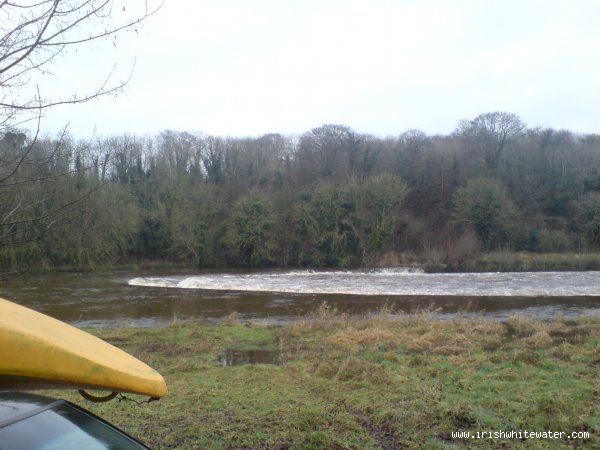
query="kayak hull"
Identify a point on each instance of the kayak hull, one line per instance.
(40, 352)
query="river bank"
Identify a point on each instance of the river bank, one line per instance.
(377, 381)
(436, 262)
(528, 262)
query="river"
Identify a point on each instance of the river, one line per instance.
(153, 299)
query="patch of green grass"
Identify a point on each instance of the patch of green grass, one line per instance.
(380, 381)
(506, 261)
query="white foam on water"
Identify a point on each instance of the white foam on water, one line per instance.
(391, 282)
(153, 282)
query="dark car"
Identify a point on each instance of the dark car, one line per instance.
(36, 422)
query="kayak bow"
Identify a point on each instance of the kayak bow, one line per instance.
(39, 352)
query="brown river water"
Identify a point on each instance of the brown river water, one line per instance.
(142, 299)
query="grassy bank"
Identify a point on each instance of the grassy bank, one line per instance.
(380, 381)
(528, 262)
(502, 261)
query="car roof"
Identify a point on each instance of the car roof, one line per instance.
(13, 404)
(60, 420)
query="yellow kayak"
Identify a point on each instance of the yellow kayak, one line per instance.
(37, 351)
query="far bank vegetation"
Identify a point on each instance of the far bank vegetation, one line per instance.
(492, 195)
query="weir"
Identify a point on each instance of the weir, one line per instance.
(149, 299)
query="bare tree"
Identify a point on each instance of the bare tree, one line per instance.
(33, 34)
(491, 132)
(333, 148)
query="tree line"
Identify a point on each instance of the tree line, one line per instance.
(330, 197)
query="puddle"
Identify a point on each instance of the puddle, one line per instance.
(235, 357)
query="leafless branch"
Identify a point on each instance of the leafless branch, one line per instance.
(33, 33)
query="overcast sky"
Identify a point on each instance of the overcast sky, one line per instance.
(245, 68)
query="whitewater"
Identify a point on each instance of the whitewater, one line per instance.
(396, 282)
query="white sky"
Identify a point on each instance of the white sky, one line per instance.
(245, 68)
